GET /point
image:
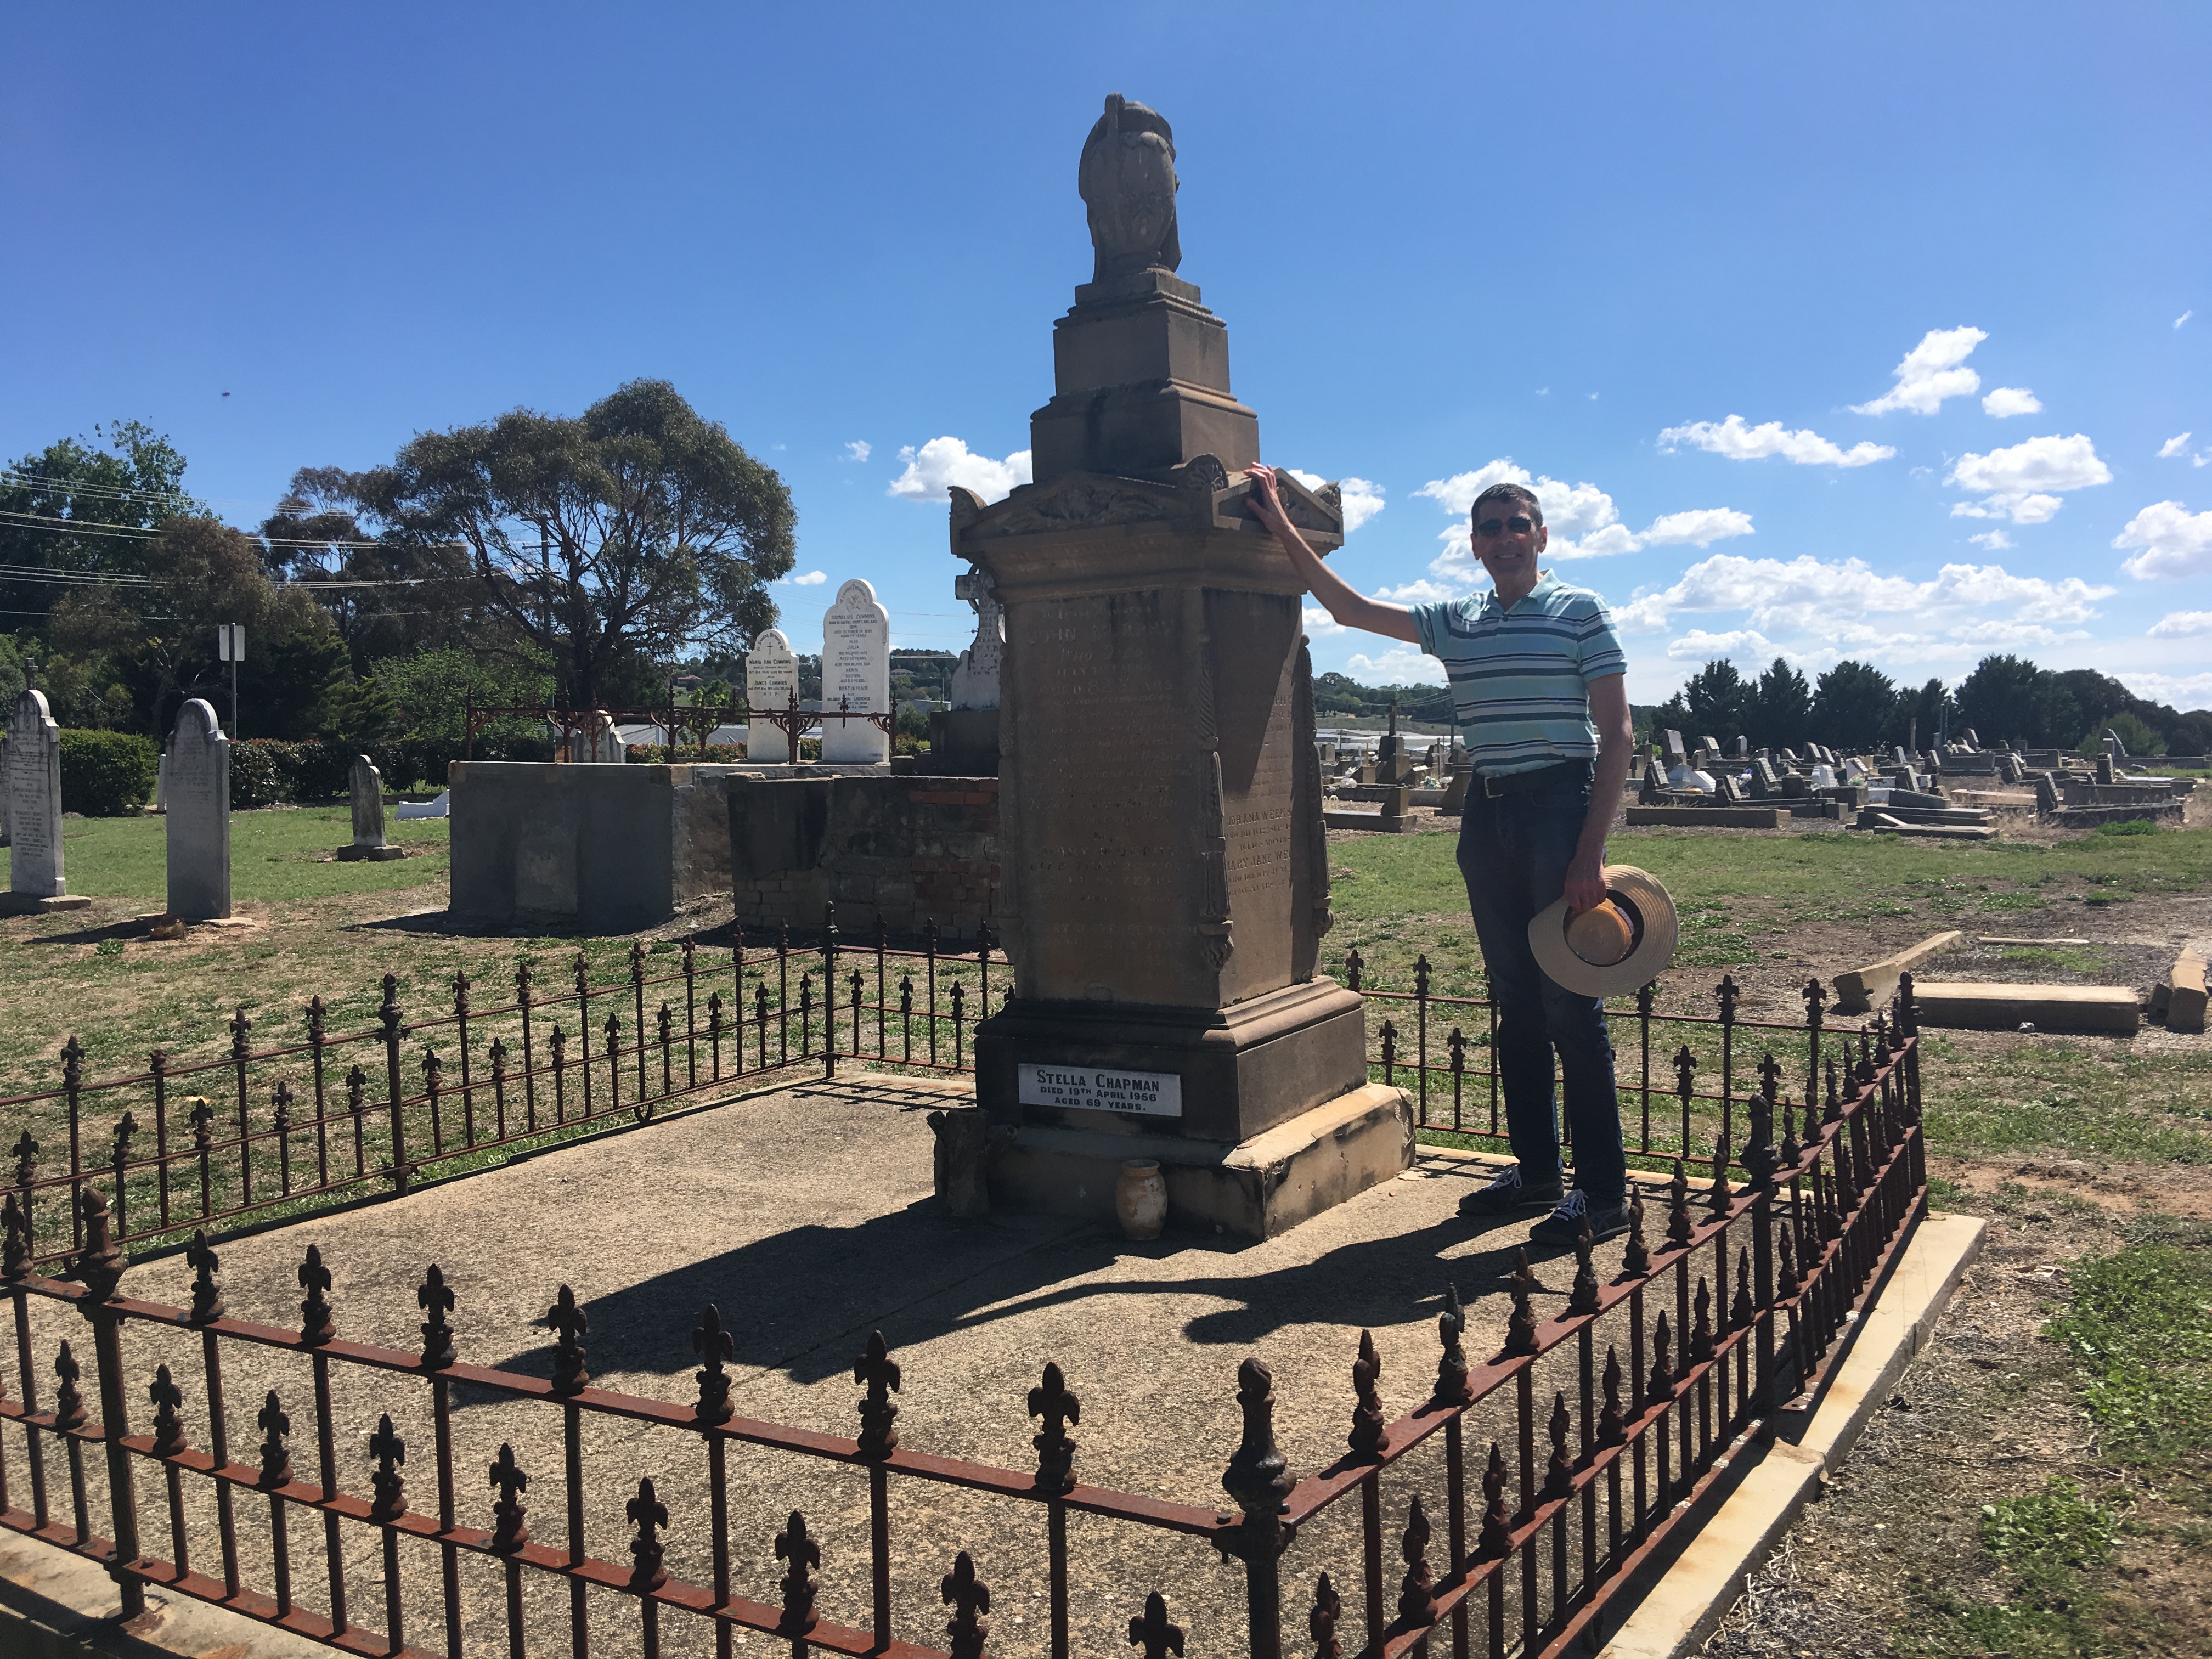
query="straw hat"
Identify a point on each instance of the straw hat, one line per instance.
(1621, 945)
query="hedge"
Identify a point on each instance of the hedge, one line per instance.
(264, 771)
(106, 775)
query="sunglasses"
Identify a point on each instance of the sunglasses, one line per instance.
(1491, 529)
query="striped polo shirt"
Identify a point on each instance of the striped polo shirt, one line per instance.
(1520, 678)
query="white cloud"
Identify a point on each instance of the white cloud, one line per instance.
(2174, 448)
(1319, 624)
(860, 449)
(1420, 591)
(1816, 611)
(2179, 690)
(1740, 442)
(1401, 664)
(1700, 527)
(1697, 646)
(1930, 372)
(1361, 500)
(2023, 483)
(1992, 539)
(2184, 317)
(2175, 542)
(1582, 518)
(811, 578)
(2181, 625)
(2008, 400)
(943, 462)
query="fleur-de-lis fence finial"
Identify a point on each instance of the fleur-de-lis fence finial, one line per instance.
(879, 1372)
(435, 1298)
(714, 1346)
(1051, 1400)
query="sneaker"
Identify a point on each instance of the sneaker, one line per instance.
(1565, 1224)
(1507, 1195)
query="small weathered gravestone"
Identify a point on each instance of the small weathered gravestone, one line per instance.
(368, 842)
(975, 676)
(34, 809)
(199, 816)
(1676, 754)
(771, 682)
(595, 741)
(856, 675)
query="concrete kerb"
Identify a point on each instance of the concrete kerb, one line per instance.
(44, 1593)
(1686, 1591)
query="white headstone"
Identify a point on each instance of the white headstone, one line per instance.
(199, 814)
(856, 675)
(367, 805)
(594, 742)
(975, 676)
(771, 682)
(34, 798)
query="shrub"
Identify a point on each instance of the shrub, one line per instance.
(659, 754)
(107, 774)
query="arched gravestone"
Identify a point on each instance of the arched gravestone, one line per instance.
(33, 784)
(368, 842)
(199, 816)
(771, 682)
(856, 675)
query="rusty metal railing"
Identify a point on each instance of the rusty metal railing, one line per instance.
(1443, 1067)
(1602, 1462)
(254, 1132)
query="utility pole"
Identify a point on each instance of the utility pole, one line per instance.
(230, 644)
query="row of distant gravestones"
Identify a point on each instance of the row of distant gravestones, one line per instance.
(195, 792)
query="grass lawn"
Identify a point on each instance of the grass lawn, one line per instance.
(276, 853)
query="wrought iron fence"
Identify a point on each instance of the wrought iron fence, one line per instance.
(1589, 1463)
(1442, 1063)
(259, 1131)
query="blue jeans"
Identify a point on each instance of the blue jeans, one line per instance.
(1514, 852)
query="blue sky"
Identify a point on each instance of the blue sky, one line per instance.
(1753, 287)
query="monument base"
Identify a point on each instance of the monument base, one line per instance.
(30, 905)
(377, 854)
(1237, 1071)
(1257, 1188)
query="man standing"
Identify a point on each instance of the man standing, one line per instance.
(1537, 690)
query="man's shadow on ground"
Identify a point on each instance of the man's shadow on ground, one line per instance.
(803, 1301)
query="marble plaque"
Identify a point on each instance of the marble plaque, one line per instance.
(856, 675)
(199, 814)
(771, 682)
(34, 798)
(1093, 1088)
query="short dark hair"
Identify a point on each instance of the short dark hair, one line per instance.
(1508, 492)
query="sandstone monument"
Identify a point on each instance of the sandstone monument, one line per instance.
(1164, 882)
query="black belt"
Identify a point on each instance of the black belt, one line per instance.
(1495, 784)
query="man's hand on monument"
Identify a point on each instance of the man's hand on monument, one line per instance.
(1585, 887)
(1266, 498)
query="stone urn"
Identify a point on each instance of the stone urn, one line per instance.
(1141, 1199)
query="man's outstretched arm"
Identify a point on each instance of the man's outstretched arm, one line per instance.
(1338, 598)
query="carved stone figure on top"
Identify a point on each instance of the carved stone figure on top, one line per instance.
(1127, 179)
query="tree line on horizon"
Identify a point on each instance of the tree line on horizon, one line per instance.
(1856, 707)
(533, 559)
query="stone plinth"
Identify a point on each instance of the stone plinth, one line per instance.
(1141, 383)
